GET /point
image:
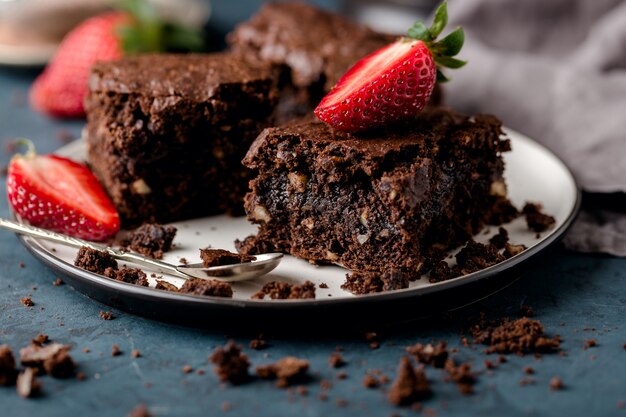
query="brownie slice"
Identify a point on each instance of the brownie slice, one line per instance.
(166, 133)
(310, 49)
(377, 203)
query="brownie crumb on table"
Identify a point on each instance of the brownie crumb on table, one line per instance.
(58, 282)
(115, 350)
(536, 220)
(27, 384)
(258, 343)
(286, 371)
(129, 275)
(556, 384)
(335, 360)
(187, 369)
(139, 411)
(410, 385)
(207, 287)
(135, 353)
(151, 240)
(219, 257)
(93, 260)
(589, 343)
(462, 375)
(7, 366)
(106, 315)
(54, 359)
(529, 370)
(27, 301)
(164, 285)
(370, 381)
(360, 283)
(280, 290)
(522, 335)
(433, 355)
(231, 364)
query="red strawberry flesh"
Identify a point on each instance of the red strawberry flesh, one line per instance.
(61, 195)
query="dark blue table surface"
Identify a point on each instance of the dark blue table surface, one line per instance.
(577, 296)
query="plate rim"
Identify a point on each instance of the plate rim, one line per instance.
(58, 264)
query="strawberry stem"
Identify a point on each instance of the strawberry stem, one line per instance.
(446, 49)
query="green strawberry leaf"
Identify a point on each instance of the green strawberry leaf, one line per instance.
(451, 45)
(441, 20)
(440, 77)
(419, 32)
(449, 62)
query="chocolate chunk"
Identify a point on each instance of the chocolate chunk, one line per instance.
(410, 384)
(207, 287)
(219, 257)
(94, 260)
(287, 371)
(279, 290)
(231, 364)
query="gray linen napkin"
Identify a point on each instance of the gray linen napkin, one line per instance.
(556, 71)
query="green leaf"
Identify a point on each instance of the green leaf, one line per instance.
(449, 62)
(441, 20)
(419, 32)
(441, 78)
(452, 43)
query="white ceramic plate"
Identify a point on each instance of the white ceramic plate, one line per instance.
(532, 172)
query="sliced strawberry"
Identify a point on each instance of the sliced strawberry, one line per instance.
(395, 82)
(59, 194)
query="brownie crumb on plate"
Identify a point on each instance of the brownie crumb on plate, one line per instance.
(511, 250)
(207, 287)
(522, 335)
(500, 239)
(164, 285)
(280, 290)
(360, 283)
(219, 257)
(93, 260)
(536, 220)
(477, 256)
(151, 240)
(231, 364)
(54, 359)
(410, 384)
(129, 275)
(7, 366)
(287, 371)
(502, 211)
(433, 355)
(27, 384)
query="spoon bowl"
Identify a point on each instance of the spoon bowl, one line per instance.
(235, 272)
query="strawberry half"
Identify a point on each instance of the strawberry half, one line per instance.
(59, 194)
(395, 82)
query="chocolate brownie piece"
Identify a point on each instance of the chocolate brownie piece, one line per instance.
(94, 260)
(151, 239)
(310, 49)
(209, 287)
(279, 290)
(219, 257)
(378, 202)
(130, 275)
(166, 133)
(231, 364)
(360, 283)
(536, 220)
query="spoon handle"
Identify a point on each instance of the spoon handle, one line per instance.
(36, 232)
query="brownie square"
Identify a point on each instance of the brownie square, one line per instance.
(391, 200)
(166, 133)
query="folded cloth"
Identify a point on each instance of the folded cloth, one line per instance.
(556, 71)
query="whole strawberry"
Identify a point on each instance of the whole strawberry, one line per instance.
(395, 82)
(61, 89)
(59, 194)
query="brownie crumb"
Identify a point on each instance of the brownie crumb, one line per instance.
(370, 381)
(258, 343)
(522, 335)
(341, 402)
(621, 404)
(207, 287)
(7, 366)
(27, 384)
(140, 411)
(589, 343)
(360, 283)
(342, 375)
(511, 250)
(106, 315)
(526, 381)
(187, 369)
(231, 364)
(135, 353)
(27, 301)
(151, 240)
(556, 384)
(441, 271)
(477, 256)
(336, 360)
(280, 290)
(323, 285)
(226, 406)
(489, 364)
(81, 376)
(410, 384)
(536, 220)
(462, 375)
(130, 275)
(502, 211)
(500, 239)
(219, 257)
(54, 359)
(115, 350)
(40, 340)
(527, 311)
(431, 355)
(58, 282)
(94, 260)
(183, 261)
(287, 371)
(164, 285)
(302, 391)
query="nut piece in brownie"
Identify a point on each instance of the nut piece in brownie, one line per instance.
(280, 290)
(151, 239)
(378, 202)
(208, 287)
(166, 133)
(219, 257)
